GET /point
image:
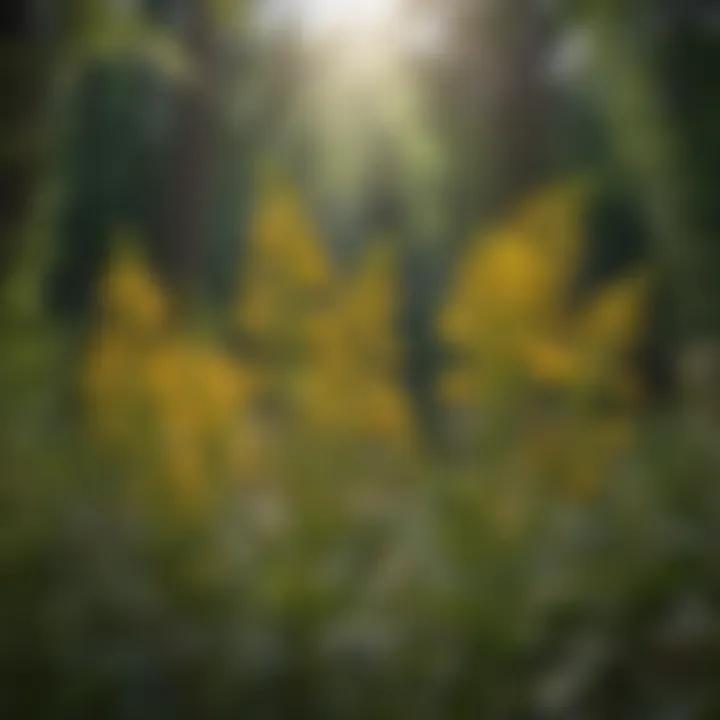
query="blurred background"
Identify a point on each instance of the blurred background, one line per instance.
(360, 359)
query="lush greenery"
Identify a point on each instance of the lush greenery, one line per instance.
(339, 389)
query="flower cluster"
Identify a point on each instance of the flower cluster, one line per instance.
(517, 339)
(158, 396)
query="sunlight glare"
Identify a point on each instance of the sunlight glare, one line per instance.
(348, 16)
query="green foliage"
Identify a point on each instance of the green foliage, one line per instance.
(340, 590)
(157, 579)
(231, 513)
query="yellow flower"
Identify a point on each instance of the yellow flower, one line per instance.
(107, 365)
(509, 314)
(388, 414)
(553, 220)
(186, 476)
(221, 389)
(614, 321)
(552, 362)
(165, 374)
(130, 295)
(258, 313)
(284, 239)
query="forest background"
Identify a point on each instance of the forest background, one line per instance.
(360, 359)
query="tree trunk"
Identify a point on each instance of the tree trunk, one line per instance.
(651, 144)
(191, 176)
(498, 109)
(23, 85)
